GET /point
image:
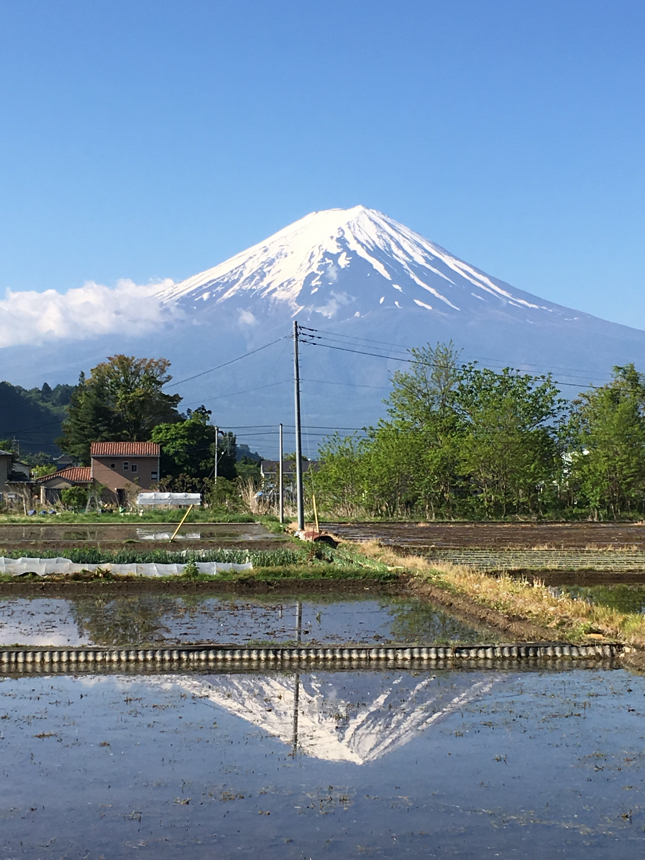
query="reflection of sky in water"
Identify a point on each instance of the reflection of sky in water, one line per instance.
(139, 619)
(539, 764)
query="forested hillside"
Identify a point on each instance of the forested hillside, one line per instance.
(33, 416)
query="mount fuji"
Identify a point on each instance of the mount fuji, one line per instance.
(374, 285)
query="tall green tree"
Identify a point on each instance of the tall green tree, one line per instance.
(606, 433)
(509, 445)
(188, 451)
(122, 400)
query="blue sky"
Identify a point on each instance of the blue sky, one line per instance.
(145, 139)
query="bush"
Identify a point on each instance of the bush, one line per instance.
(74, 497)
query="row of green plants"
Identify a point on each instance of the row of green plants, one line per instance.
(97, 555)
(461, 441)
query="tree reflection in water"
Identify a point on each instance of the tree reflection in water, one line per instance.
(133, 620)
(423, 622)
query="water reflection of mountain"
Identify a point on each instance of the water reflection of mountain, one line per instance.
(352, 716)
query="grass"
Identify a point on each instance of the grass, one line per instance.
(566, 618)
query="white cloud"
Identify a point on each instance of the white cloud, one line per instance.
(335, 303)
(247, 318)
(32, 318)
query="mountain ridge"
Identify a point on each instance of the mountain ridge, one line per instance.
(357, 273)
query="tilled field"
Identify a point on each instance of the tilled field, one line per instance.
(496, 536)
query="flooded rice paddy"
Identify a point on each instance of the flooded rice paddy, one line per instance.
(620, 596)
(146, 535)
(141, 619)
(311, 764)
(324, 765)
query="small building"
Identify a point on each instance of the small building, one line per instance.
(15, 478)
(269, 470)
(6, 460)
(125, 467)
(51, 485)
(270, 474)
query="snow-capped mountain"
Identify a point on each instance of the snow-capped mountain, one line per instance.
(372, 283)
(348, 263)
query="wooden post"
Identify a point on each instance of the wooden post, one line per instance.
(281, 476)
(313, 499)
(183, 520)
(215, 465)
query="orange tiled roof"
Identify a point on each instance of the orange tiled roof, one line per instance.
(74, 474)
(124, 449)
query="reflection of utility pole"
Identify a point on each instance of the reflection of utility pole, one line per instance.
(296, 368)
(281, 477)
(296, 692)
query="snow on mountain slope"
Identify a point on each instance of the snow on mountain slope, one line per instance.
(345, 263)
(355, 273)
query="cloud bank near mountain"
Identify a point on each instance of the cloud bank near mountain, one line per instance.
(29, 317)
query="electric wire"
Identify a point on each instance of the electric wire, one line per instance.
(226, 363)
(414, 360)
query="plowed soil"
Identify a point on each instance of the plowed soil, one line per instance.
(495, 535)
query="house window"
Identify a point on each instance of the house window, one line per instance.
(134, 467)
(154, 476)
(126, 466)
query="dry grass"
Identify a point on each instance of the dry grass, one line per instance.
(574, 620)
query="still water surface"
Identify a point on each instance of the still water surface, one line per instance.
(147, 618)
(324, 765)
(624, 598)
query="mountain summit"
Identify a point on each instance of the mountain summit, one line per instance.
(371, 284)
(349, 263)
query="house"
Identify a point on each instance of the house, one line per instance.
(14, 476)
(125, 467)
(6, 460)
(270, 474)
(51, 485)
(269, 470)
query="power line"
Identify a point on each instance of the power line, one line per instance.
(350, 384)
(226, 363)
(410, 360)
(335, 336)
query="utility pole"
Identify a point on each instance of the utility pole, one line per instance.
(215, 464)
(299, 492)
(281, 477)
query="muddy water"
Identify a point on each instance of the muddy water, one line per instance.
(146, 535)
(146, 618)
(389, 764)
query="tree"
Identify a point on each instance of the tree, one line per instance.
(188, 452)
(123, 400)
(606, 433)
(509, 447)
(39, 471)
(422, 408)
(74, 497)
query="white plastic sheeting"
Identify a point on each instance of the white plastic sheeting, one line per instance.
(50, 566)
(169, 499)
